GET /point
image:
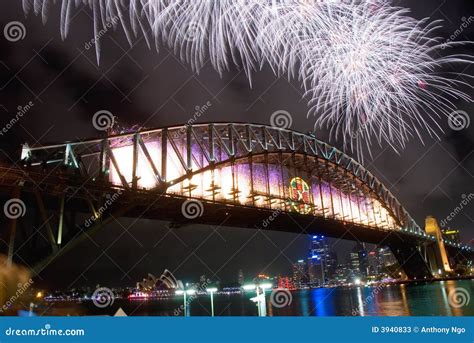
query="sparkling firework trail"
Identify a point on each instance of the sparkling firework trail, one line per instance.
(369, 70)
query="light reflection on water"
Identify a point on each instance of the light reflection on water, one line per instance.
(423, 299)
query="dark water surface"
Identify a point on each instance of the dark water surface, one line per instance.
(441, 298)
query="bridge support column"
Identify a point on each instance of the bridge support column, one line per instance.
(437, 255)
(45, 220)
(59, 240)
(411, 260)
(12, 230)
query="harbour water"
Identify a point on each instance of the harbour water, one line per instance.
(443, 298)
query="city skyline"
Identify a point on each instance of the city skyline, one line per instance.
(135, 169)
(364, 262)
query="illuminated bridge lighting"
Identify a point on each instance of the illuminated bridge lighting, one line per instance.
(280, 181)
(240, 165)
(273, 185)
(255, 169)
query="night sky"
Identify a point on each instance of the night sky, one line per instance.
(149, 89)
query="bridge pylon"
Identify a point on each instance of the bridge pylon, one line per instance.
(436, 253)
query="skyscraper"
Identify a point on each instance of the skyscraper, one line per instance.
(385, 257)
(331, 263)
(316, 273)
(359, 260)
(240, 277)
(300, 274)
(322, 261)
(355, 263)
(373, 263)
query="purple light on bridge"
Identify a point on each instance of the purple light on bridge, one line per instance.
(254, 184)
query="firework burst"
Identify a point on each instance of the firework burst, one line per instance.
(373, 73)
(369, 70)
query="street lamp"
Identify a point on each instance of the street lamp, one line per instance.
(183, 293)
(188, 292)
(260, 298)
(263, 301)
(211, 291)
(251, 287)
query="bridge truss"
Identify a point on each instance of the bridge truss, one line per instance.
(231, 164)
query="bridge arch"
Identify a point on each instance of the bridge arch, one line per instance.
(237, 163)
(240, 165)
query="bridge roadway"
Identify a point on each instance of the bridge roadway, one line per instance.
(239, 174)
(153, 204)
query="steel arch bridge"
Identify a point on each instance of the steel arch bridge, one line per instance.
(256, 171)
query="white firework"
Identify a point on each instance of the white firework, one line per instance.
(369, 70)
(375, 71)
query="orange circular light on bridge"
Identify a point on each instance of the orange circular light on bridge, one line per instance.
(299, 193)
